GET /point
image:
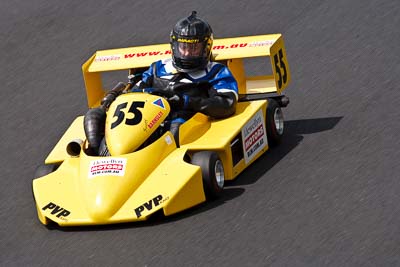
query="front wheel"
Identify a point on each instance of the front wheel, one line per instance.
(212, 171)
(274, 123)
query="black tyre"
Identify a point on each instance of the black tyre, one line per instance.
(274, 123)
(43, 170)
(212, 171)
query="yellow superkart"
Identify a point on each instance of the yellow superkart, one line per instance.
(139, 177)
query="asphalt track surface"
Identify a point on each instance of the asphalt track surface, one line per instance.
(328, 196)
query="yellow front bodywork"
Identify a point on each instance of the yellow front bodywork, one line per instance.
(155, 177)
(126, 113)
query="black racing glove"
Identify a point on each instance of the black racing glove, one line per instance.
(178, 102)
(179, 88)
(218, 105)
(171, 90)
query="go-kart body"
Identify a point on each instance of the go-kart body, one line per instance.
(137, 180)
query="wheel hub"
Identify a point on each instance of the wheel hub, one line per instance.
(219, 174)
(278, 119)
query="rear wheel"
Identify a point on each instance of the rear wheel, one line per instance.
(274, 123)
(212, 171)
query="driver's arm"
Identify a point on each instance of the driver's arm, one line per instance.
(219, 105)
(222, 99)
(146, 81)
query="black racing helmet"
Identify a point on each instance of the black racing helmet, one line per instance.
(191, 42)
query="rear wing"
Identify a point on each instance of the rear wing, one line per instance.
(230, 51)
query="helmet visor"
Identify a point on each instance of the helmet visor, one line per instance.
(189, 50)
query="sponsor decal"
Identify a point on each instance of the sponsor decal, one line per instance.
(215, 47)
(149, 205)
(107, 58)
(107, 166)
(254, 136)
(159, 103)
(252, 139)
(145, 54)
(192, 41)
(169, 52)
(155, 119)
(219, 47)
(54, 209)
(261, 43)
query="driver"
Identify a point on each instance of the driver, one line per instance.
(189, 80)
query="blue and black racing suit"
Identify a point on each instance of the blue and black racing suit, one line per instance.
(212, 91)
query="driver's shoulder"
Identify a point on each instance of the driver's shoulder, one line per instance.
(213, 66)
(166, 66)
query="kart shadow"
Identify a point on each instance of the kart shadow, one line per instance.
(294, 134)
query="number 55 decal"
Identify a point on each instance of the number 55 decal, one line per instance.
(120, 114)
(280, 68)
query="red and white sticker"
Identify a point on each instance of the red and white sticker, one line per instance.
(107, 58)
(155, 119)
(254, 136)
(261, 43)
(107, 167)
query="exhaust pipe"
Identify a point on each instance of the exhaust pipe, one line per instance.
(74, 147)
(94, 124)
